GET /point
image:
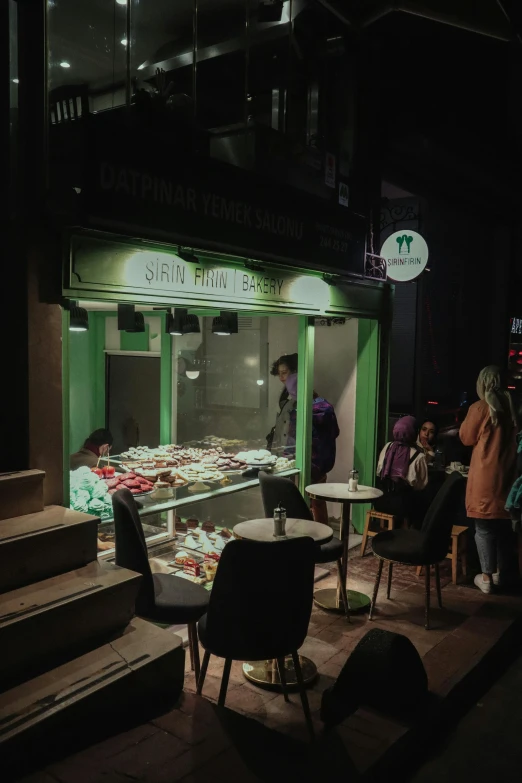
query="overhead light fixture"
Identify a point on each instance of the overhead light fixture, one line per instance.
(16, 81)
(129, 320)
(175, 322)
(225, 324)
(192, 374)
(65, 64)
(142, 66)
(260, 382)
(121, 2)
(191, 325)
(123, 42)
(78, 318)
(188, 255)
(270, 10)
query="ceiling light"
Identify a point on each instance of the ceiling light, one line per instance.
(79, 318)
(65, 64)
(188, 255)
(225, 324)
(142, 66)
(129, 320)
(192, 374)
(121, 2)
(191, 325)
(260, 382)
(270, 10)
(123, 42)
(174, 324)
(16, 81)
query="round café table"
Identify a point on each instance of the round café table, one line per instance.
(265, 673)
(263, 530)
(330, 597)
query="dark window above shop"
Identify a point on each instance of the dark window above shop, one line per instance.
(238, 80)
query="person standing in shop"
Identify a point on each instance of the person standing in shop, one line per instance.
(97, 445)
(491, 428)
(325, 430)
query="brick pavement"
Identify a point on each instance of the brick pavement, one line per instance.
(260, 737)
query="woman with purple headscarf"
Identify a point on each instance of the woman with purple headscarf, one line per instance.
(401, 463)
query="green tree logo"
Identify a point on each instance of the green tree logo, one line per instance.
(404, 240)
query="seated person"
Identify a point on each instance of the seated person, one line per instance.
(401, 469)
(97, 445)
(427, 440)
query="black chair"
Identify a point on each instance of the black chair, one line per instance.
(162, 598)
(425, 547)
(279, 489)
(260, 608)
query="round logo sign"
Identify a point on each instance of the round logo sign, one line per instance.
(406, 255)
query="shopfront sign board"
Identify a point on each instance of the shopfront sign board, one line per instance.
(141, 191)
(99, 265)
(406, 255)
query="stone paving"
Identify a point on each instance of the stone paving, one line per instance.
(260, 737)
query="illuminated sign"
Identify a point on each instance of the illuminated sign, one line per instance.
(406, 255)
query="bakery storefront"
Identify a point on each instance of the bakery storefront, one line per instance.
(170, 347)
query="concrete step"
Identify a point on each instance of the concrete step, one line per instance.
(90, 696)
(41, 623)
(39, 546)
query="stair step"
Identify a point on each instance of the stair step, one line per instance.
(46, 620)
(39, 546)
(70, 705)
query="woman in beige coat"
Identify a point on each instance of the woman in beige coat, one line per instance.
(490, 428)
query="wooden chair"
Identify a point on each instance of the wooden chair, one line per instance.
(458, 548)
(386, 522)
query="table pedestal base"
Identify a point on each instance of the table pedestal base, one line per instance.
(265, 673)
(327, 599)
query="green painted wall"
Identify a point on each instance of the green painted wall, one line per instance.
(81, 400)
(366, 411)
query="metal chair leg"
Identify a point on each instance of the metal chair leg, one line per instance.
(203, 674)
(302, 693)
(194, 649)
(427, 607)
(390, 575)
(376, 588)
(282, 677)
(224, 682)
(437, 584)
(342, 590)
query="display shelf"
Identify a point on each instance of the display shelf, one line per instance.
(185, 497)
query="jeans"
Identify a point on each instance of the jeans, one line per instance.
(494, 539)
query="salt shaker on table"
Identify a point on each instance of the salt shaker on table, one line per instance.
(279, 521)
(353, 483)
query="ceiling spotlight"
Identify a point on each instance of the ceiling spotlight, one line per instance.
(192, 374)
(191, 325)
(270, 10)
(123, 42)
(174, 323)
(225, 324)
(121, 2)
(79, 318)
(129, 320)
(188, 255)
(260, 382)
(16, 81)
(65, 64)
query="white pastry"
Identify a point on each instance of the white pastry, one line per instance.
(191, 542)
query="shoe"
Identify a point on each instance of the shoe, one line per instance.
(482, 585)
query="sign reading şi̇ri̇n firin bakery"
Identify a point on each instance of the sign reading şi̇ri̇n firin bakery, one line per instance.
(120, 268)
